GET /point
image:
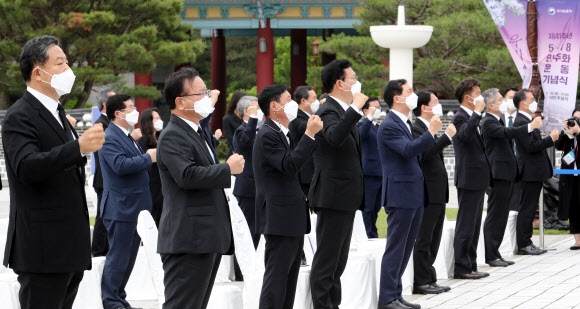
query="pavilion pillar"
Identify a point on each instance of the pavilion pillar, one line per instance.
(327, 58)
(218, 77)
(265, 57)
(144, 79)
(297, 59)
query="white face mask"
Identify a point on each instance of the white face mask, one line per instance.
(259, 114)
(314, 106)
(158, 125)
(377, 114)
(356, 88)
(291, 110)
(533, 106)
(479, 98)
(503, 107)
(62, 82)
(132, 118)
(202, 107)
(510, 105)
(411, 101)
(437, 110)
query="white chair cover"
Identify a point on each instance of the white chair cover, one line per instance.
(445, 258)
(509, 243)
(481, 243)
(359, 233)
(3, 235)
(89, 293)
(9, 288)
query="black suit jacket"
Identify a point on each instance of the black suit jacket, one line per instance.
(531, 148)
(243, 145)
(472, 170)
(337, 182)
(48, 231)
(433, 165)
(281, 207)
(566, 184)
(195, 216)
(98, 177)
(497, 140)
(297, 128)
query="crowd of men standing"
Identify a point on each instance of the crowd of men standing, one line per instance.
(290, 158)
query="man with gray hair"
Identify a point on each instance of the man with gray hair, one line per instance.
(498, 148)
(100, 244)
(245, 188)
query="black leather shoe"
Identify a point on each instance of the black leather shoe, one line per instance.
(395, 304)
(481, 273)
(497, 263)
(508, 262)
(472, 275)
(529, 250)
(542, 250)
(445, 288)
(410, 305)
(427, 289)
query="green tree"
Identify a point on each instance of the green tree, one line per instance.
(102, 39)
(465, 43)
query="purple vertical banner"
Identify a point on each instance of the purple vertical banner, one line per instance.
(510, 18)
(95, 114)
(558, 58)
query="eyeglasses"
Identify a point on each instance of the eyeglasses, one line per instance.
(201, 94)
(134, 108)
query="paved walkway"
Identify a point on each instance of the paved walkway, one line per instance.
(551, 280)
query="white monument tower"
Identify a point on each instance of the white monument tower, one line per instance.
(401, 39)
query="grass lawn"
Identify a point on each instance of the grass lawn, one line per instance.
(451, 214)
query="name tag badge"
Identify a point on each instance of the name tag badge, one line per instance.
(569, 158)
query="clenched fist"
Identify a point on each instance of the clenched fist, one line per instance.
(136, 134)
(371, 111)
(451, 130)
(93, 139)
(536, 123)
(214, 95)
(314, 125)
(236, 163)
(217, 134)
(435, 125)
(359, 100)
(253, 110)
(555, 134)
(153, 153)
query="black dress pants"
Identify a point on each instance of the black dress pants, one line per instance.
(497, 217)
(100, 243)
(529, 201)
(427, 244)
(333, 234)
(467, 227)
(48, 291)
(189, 279)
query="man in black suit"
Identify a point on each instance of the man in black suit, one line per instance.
(48, 242)
(305, 96)
(245, 188)
(336, 191)
(371, 162)
(472, 178)
(195, 227)
(100, 244)
(437, 185)
(535, 167)
(498, 147)
(508, 117)
(281, 209)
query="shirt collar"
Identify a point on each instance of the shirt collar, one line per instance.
(190, 123)
(424, 121)
(494, 115)
(307, 113)
(344, 105)
(469, 112)
(122, 129)
(403, 117)
(283, 128)
(47, 101)
(526, 114)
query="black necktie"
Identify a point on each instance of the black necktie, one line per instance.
(209, 144)
(134, 142)
(65, 124)
(290, 140)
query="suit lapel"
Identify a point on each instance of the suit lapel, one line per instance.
(128, 142)
(194, 135)
(47, 116)
(403, 126)
(270, 124)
